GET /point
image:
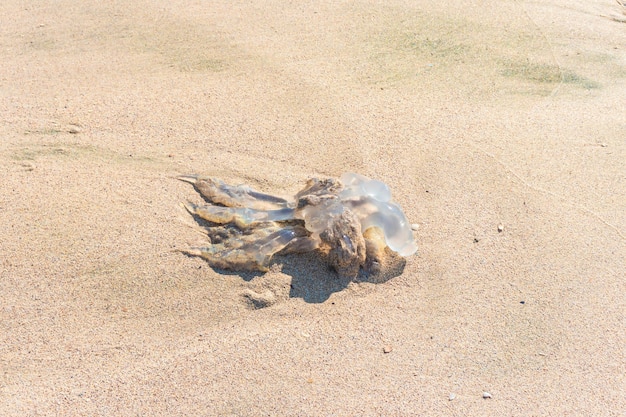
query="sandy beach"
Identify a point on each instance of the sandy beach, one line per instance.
(499, 126)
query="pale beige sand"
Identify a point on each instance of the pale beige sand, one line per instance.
(477, 113)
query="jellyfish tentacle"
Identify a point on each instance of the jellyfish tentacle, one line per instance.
(251, 256)
(217, 191)
(241, 216)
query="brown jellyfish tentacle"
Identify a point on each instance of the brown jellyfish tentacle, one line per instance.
(252, 255)
(217, 191)
(241, 216)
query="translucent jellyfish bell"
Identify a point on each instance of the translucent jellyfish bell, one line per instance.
(356, 185)
(378, 190)
(371, 201)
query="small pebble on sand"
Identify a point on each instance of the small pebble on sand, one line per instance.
(387, 349)
(486, 395)
(500, 228)
(452, 396)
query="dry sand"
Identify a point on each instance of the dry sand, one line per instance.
(476, 113)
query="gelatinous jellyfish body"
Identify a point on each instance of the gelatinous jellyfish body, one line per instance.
(371, 201)
(352, 219)
(355, 185)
